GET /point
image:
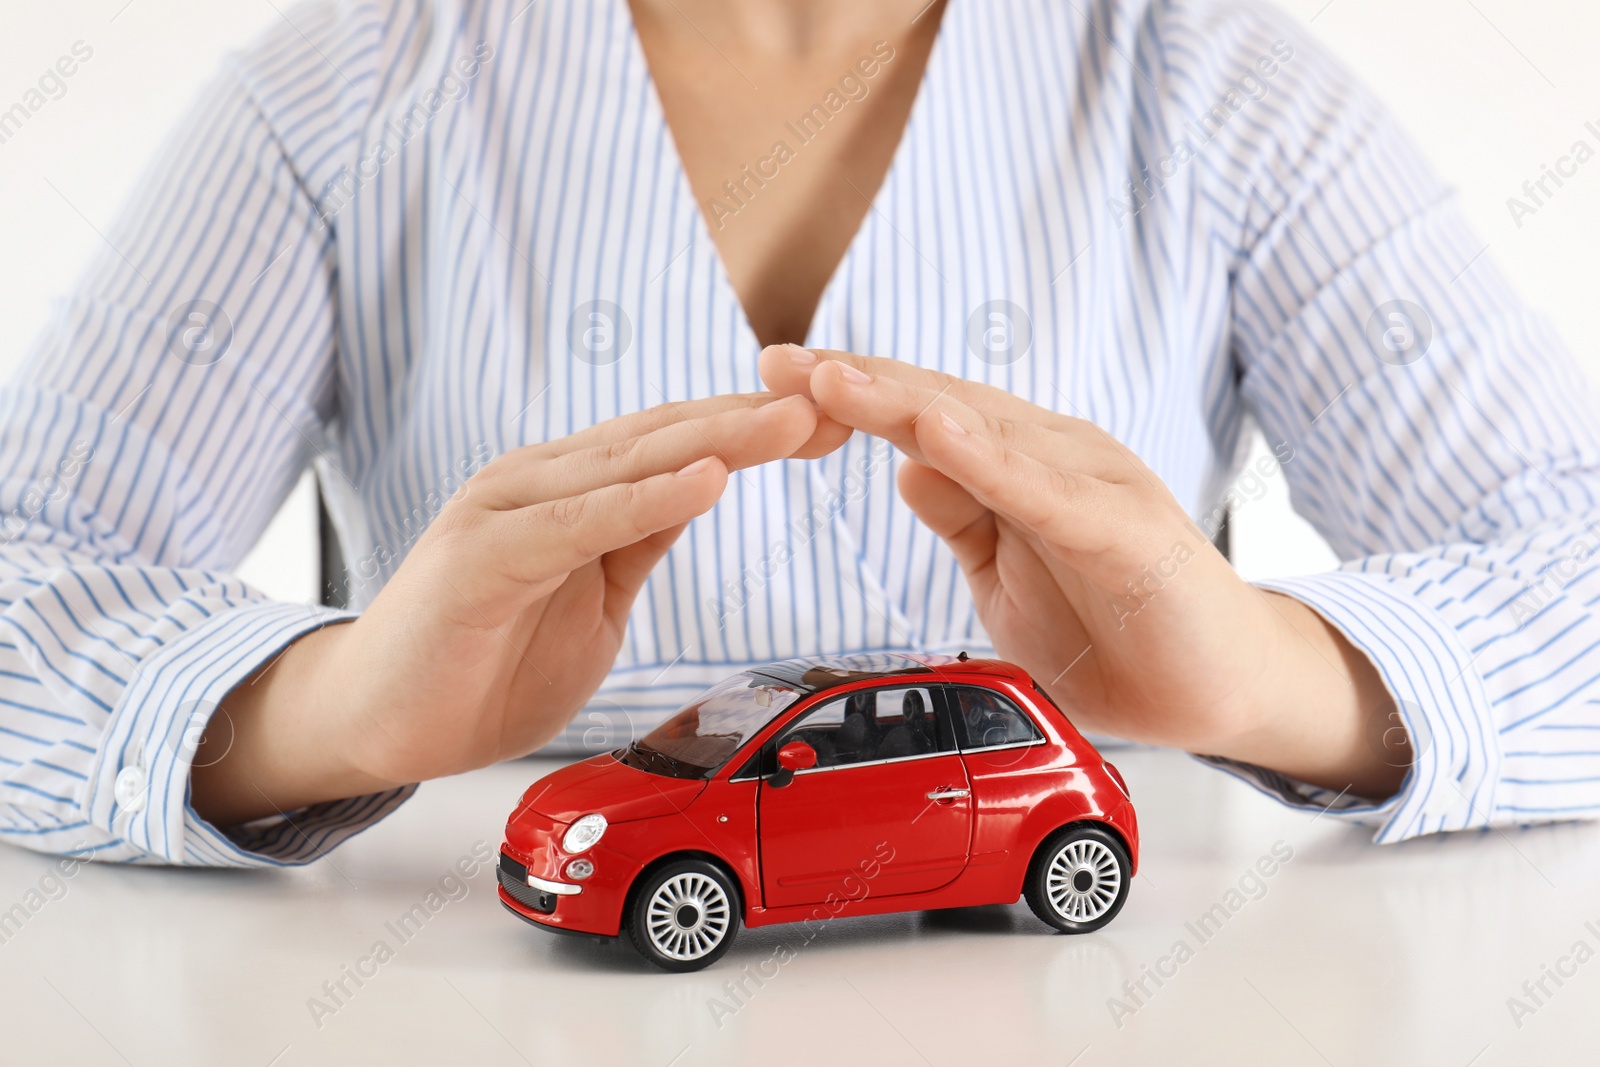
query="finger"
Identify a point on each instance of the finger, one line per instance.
(532, 550)
(890, 408)
(828, 435)
(792, 370)
(1071, 512)
(825, 439)
(651, 419)
(739, 437)
(786, 369)
(958, 519)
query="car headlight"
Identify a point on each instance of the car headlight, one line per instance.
(584, 834)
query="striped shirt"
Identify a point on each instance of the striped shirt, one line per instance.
(397, 237)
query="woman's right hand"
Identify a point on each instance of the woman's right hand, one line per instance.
(504, 618)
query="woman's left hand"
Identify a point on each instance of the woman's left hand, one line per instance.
(1086, 571)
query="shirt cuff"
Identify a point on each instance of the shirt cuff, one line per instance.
(1439, 698)
(139, 784)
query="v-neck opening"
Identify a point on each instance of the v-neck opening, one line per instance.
(700, 227)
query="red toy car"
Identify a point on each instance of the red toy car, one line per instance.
(812, 788)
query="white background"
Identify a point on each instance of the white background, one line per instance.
(1493, 89)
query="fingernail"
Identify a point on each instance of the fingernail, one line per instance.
(800, 357)
(952, 425)
(850, 374)
(699, 466)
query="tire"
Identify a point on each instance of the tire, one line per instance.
(684, 915)
(1078, 879)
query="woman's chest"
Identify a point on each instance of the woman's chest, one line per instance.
(536, 260)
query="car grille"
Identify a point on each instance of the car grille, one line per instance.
(514, 878)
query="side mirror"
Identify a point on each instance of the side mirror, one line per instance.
(795, 756)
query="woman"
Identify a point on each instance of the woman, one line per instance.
(1041, 262)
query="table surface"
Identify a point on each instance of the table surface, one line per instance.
(1347, 954)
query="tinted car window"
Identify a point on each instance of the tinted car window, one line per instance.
(708, 731)
(987, 719)
(876, 724)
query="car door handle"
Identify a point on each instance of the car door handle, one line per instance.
(949, 794)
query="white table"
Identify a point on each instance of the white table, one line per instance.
(1351, 955)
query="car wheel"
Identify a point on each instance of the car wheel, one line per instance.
(684, 915)
(1078, 879)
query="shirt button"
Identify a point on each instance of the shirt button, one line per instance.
(129, 788)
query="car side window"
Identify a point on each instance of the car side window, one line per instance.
(987, 719)
(876, 724)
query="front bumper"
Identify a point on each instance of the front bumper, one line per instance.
(534, 894)
(595, 907)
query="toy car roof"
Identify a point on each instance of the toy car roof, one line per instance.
(813, 674)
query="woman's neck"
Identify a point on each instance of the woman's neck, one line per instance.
(786, 29)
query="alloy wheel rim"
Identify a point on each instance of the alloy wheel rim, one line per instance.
(1084, 880)
(688, 917)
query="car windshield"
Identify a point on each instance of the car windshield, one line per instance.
(709, 730)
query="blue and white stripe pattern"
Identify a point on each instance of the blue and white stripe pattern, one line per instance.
(407, 210)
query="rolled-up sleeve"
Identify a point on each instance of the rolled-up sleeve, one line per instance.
(153, 430)
(1437, 433)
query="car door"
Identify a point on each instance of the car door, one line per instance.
(886, 811)
(1011, 767)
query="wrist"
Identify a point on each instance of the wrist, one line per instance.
(1313, 713)
(286, 743)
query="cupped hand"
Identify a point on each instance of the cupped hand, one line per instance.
(1087, 572)
(505, 616)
